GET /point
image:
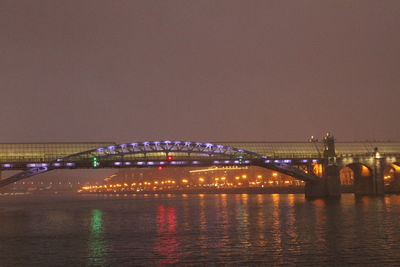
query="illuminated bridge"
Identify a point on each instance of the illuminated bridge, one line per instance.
(316, 163)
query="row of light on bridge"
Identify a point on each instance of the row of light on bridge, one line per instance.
(37, 165)
(216, 162)
(152, 163)
(96, 163)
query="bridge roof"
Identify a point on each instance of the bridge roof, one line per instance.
(40, 152)
(43, 152)
(314, 150)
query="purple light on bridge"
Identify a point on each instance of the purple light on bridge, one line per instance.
(150, 163)
(140, 163)
(122, 146)
(56, 164)
(117, 163)
(227, 162)
(178, 162)
(216, 162)
(7, 165)
(162, 163)
(314, 160)
(127, 163)
(304, 160)
(32, 165)
(267, 161)
(247, 161)
(287, 161)
(241, 150)
(277, 161)
(195, 162)
(70, 164)
(236, 162)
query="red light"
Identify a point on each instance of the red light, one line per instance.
(159, 168)
(169, 158)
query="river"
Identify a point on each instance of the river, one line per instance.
(198, 230)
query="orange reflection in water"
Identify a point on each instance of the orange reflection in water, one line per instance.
(242, 218)
(276, 222)
(166, 243)
(202, 222)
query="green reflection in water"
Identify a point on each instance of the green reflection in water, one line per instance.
(96, 242)
(97, 222)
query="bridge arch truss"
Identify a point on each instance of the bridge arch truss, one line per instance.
(156, 153)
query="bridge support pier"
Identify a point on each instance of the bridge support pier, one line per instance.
(395, 184)
(327, 187)
(369, 183)
(378, 177)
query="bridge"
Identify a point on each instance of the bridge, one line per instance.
(316, 163)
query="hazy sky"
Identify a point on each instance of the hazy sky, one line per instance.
(199, 70)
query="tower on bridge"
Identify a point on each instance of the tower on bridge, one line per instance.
(329, 186)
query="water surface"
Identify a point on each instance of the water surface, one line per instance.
(198, 230)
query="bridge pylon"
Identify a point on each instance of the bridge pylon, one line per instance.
(329, 185)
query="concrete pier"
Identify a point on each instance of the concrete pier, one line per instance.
(326, 187)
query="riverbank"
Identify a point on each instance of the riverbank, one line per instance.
(247, 190)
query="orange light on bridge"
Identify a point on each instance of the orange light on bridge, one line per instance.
(185, 181)
(395, 167)
(201, 180)
(365, 171)
(317, 169)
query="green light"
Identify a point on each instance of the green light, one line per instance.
(95, 162)
(97, 245)
(97, 222)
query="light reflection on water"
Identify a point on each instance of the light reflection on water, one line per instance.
(162, 230)
(96, 241)
(166, 242)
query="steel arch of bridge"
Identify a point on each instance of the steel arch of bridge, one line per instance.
(197, 154)
(167, 147)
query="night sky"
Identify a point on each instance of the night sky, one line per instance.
(199, 70)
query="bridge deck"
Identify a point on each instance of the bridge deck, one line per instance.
(45, 152)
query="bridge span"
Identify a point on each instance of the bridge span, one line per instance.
(366, 159)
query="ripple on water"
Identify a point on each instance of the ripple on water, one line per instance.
(201, 229)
